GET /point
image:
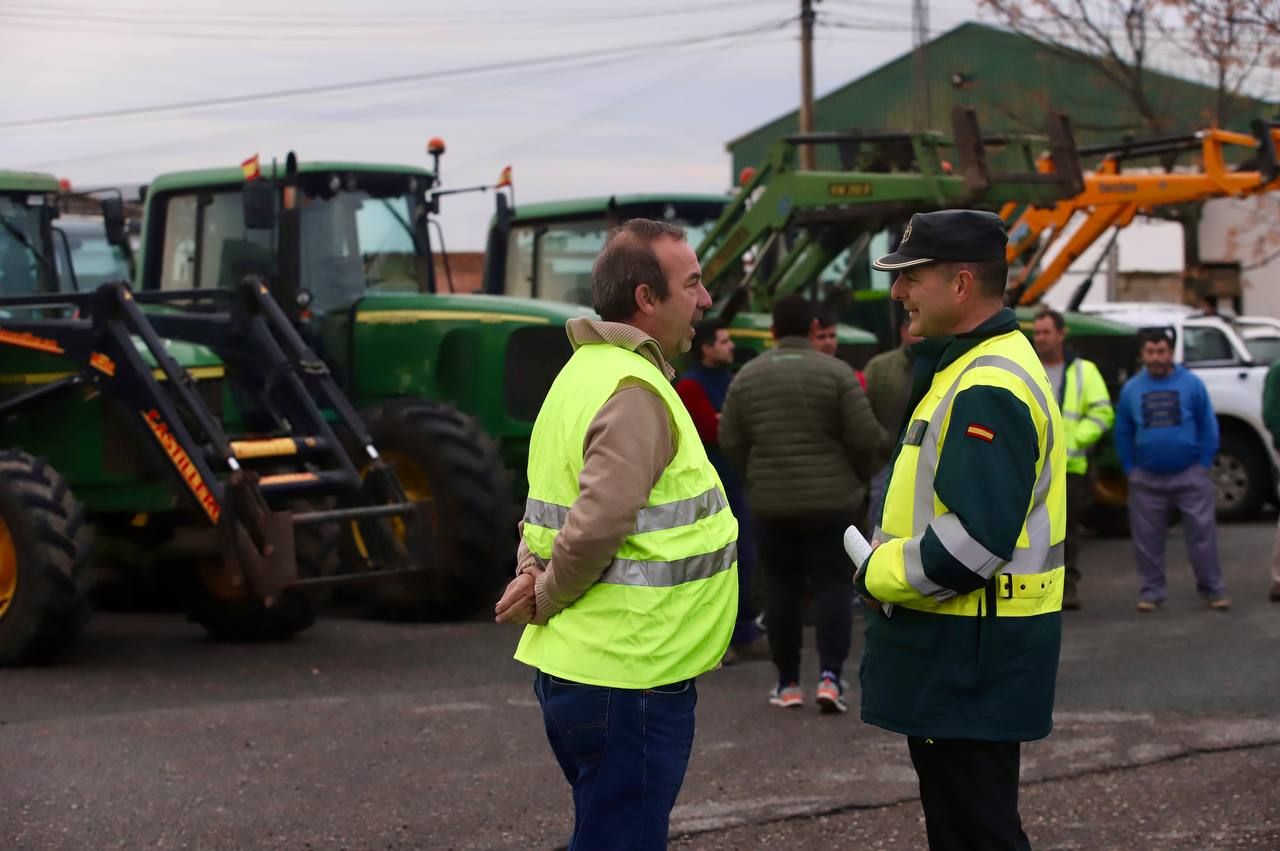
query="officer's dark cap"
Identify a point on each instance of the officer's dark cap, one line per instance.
(948, 236)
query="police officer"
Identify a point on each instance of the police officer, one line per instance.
(627, 562)
(967, 570)
(1086, 416)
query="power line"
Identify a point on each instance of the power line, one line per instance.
(281, 94)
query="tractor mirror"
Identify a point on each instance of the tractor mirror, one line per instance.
(113, 221)
(258, 200)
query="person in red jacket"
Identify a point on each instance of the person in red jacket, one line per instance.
(702, 388)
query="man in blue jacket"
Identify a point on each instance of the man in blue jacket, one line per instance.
(1167, 435)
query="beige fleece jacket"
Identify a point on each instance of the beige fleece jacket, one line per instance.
(628, 444)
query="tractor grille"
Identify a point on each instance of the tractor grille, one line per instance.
(535, 356)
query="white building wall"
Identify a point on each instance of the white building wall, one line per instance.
(1247, 231)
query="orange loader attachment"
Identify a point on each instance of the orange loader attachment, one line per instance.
(1111, 198)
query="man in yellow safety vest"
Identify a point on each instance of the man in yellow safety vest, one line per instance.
(1086, 416)
(967, 568)
(628, 558)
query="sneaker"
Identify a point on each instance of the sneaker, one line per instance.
(1219, 602)
(830, 697)
(730, 657)
(1070, 597)
(789, 696)
(1147, 606)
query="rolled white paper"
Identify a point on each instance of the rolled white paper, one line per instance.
(856, 546)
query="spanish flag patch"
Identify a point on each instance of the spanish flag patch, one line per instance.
(981, 432)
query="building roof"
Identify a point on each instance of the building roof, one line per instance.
(1011, 81)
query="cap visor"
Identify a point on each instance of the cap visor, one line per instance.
(895, 260)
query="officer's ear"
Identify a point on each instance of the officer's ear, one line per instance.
(964, 282)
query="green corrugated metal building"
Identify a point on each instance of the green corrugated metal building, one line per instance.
(1011, 81)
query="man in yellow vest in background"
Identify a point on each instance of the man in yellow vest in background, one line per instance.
(967, 569)
(1086, 416)
(628, 554)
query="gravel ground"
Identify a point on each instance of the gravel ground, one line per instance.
(1228, 799)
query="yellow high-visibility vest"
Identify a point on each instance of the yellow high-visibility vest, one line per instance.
(1086, 412)
(1031, 582)
(664, 608)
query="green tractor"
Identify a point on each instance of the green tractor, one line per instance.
(544, 251)
(448, 384)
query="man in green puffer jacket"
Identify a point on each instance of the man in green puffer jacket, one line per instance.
(798, 424)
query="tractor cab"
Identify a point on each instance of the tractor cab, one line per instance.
(28, 208)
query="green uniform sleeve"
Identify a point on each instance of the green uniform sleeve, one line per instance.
(985, 476)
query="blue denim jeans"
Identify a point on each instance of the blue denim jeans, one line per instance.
(624, 752)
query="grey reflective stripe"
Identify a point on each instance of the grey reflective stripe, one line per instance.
(1099, 423)
(1071, 415)
(664, 574)
(1076, 453)
(653, 518)
(682, 512)
(913, 566)
(545, 514)
(1078, 369)
(963, 548)
(881, 535)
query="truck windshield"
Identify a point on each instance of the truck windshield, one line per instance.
(552, 260)
(22, 266)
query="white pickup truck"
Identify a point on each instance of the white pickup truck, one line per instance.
(1231, 356)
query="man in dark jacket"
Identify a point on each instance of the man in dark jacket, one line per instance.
(888, 387)
(797, 422)
(703, 388)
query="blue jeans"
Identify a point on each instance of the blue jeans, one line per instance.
(624, 752)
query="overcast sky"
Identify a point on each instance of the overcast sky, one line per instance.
(656, 88)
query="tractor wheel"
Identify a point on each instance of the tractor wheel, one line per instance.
(444, 460)
(231, 613)
(44, 561)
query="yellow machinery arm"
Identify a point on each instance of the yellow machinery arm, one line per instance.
(1112, 198)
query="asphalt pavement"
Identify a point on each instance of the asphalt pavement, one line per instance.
(363, 735)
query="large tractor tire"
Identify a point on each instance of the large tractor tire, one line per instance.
(1241, 474)
(231, 613)
(445, 460)
(44, 562)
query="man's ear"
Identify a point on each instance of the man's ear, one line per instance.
(965, 283)
(646, 299)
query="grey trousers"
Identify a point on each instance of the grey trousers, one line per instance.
(1152, 497)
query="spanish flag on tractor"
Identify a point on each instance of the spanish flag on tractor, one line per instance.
(250, 168)
(504, 179)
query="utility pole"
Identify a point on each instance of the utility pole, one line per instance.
(806, 80)
(920, 65)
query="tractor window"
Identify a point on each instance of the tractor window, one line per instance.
(206, 244)
(353, 242)
(95, 260)
(519, 280)
(564, 255)
(553, 261)
(19, 242)
(179, 268)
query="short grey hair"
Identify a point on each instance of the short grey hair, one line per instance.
(627, 261)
